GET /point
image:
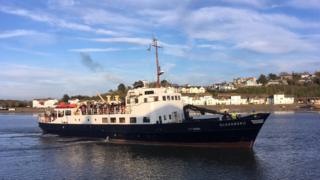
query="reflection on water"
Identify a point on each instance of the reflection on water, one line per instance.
(286, 148)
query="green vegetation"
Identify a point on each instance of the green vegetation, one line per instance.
(15, 103)
(65, 98)
(262, 79)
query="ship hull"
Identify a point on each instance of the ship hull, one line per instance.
(206, 133)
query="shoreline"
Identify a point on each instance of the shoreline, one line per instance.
(264, 108)
(230, 108)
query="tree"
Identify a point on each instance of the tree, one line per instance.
(316, 79)
(262, 79)
(121, 88)
(284, 74)
(138, 84)
(165, 83)
(272, 76)
(65, 98)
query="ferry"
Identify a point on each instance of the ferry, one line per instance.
(154, 116)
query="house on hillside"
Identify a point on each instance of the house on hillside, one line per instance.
(44, 103)
(192, 90)
(73, 101)
(246, 82)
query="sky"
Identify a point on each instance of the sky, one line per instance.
(53, 47)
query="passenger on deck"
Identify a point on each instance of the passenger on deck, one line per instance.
(83, 108)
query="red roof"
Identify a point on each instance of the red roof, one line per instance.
(64, 105)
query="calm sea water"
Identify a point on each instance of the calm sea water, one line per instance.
(288, 147)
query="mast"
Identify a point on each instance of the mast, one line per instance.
(156, 46)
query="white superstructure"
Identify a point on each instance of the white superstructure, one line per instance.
(143, 106)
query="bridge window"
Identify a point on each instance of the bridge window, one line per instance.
(122, 120)
(163, 98)
(113, 120)
(133, 120)
(67, 112)
(146, 120)
(60, 114)
(104, 120)
(148, 92)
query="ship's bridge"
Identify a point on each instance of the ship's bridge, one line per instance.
(156, 103)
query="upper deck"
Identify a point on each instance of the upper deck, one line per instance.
(145, 105)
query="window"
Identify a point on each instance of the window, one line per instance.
(175, 114)
(164, 117)
(136, 100)
(145, 100)
(172, 97)
(148, 92)
(122, 120)
(104, 120)
(60, 114)
(176, 97)
(113, 120)
(133, 120)
(163, 98)
(146, 120)
(68, 113)
(156, 98)
(168, 97)
(160, 119)
(128, 101)
(169, 116)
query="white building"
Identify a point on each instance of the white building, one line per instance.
(193, 90)
(73, 101)
(44, 103)
(202, 90)
(209, 100)
(281, 99)
(223, 101)
(235, 100)
(257, 100)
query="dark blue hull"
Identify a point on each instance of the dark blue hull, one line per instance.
(241, 132)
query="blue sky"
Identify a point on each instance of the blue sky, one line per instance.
(52, 47)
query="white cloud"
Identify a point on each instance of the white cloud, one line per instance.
(16, 33)
(99, 16)
(16, 81)
(58, 22)
(129, 40)
(255, 3)
(211, 46)
(246, 29)
(60, 3)
(305, 4)
(28, 51)
(94, 50)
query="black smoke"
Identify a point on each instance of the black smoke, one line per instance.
(87, 61)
